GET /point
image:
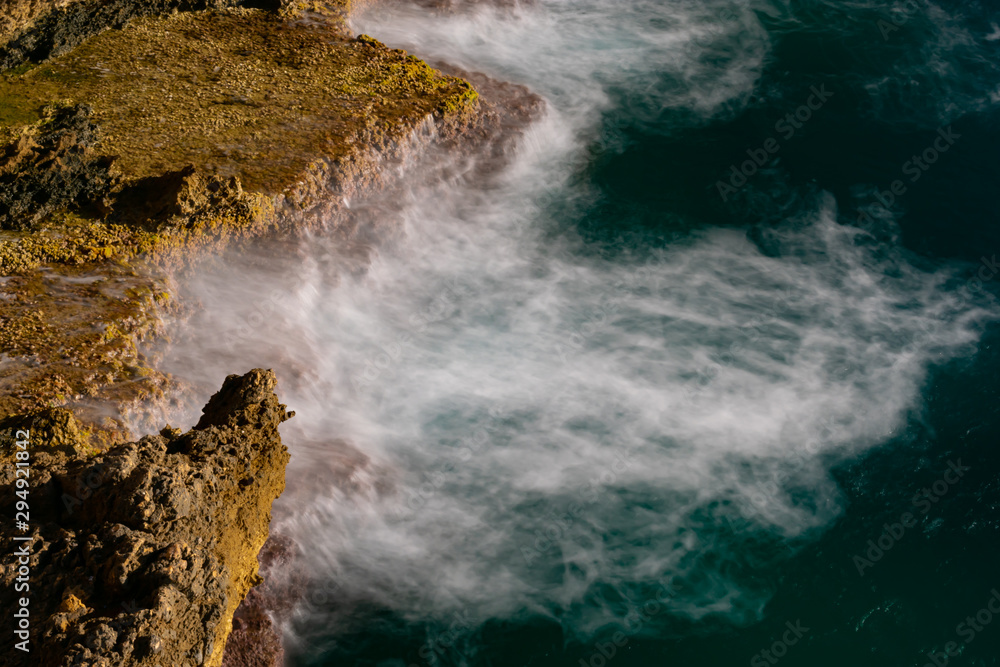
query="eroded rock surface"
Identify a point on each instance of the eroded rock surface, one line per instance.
(141, 554)
(52, 166)
(38, 29)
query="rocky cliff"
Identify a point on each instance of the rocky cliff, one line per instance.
(147, 147)
(139, 138)
(140, 555)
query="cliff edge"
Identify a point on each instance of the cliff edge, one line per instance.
(141, 554)
(137, 139)
(148, 146)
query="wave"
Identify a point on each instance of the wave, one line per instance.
(493, 422)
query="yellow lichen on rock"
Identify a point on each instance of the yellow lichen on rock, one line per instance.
(188, 132)
(143, 552)
(235, 93)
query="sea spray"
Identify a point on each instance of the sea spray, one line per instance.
(498, 420)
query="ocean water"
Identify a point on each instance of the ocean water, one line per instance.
(706, 375)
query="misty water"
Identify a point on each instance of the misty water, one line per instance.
(614, 404)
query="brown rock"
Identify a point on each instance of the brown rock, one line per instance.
(53, 165)
(114, 578)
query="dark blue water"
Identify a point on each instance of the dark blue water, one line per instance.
(708, 376)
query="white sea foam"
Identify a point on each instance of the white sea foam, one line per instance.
(493, 422)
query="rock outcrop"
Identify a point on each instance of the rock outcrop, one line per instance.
(137, 138)
(143, 150)
(141, 554)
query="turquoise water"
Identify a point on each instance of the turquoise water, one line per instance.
(706, 376)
